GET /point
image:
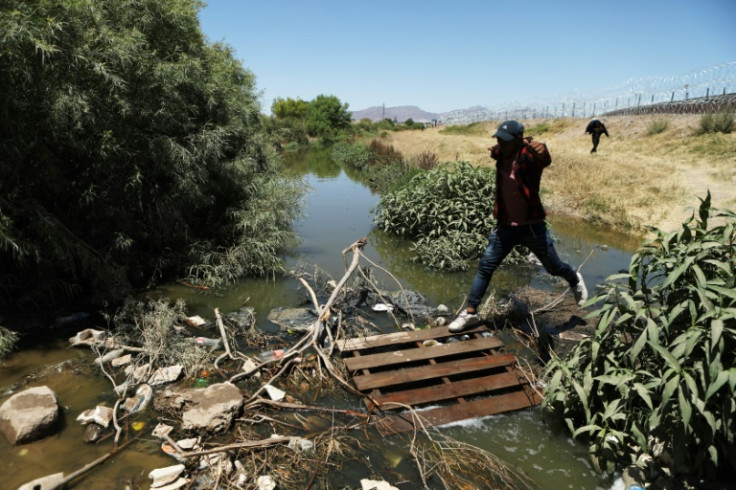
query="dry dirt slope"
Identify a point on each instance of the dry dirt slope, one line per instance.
(635, 179)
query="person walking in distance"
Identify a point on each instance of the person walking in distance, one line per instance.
(520, 218)
(596, 128)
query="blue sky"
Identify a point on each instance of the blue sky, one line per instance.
(445, 55)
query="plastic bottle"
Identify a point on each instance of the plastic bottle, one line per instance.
(271, 355)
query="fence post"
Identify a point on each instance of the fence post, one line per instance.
(673, 96)
(573, 109)
(707, 93)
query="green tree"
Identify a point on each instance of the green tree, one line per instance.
(131, 150)
(327, 115)
(289, 108)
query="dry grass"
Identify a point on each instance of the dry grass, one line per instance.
(635, 179)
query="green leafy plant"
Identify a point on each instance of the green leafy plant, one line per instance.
(657, 381)
(447, 211)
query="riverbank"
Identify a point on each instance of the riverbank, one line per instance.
(635, 179)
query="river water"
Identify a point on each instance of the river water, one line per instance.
(337, 212)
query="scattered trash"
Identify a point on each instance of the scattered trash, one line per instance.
(137, 426)
(408, 327)
(99, 415)
(210, 343)
(45, 482)
(440, 321)
(367, 484)
(88, 336)
(430, 343)
(195, 321)
(140, 400)
(265, 482)
(121, 361)
(165, 375)
(113, 354)
(604, 247)
(301, 444)
(382, 307)
(275, 393)
(165, 476)
(271, 355)
(201, 383)
(443, 309)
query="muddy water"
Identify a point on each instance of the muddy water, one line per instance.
(337, 212)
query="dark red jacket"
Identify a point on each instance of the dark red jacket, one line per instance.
(528, 171)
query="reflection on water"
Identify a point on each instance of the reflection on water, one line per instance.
(337, 212)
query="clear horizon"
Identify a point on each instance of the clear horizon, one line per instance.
(442, 56)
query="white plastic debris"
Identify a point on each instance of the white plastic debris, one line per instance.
(165, 476)
(165, 375)
(100, 415)
(195, 321)
(140, 400)
(301, 444)
(382, 307)
(88, 336)
(275, 393)
(265, 482)
(376, 485)
(121, 361)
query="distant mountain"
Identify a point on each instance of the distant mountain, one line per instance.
(400, 114)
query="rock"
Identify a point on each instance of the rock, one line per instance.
(48, 482)
(165, 476)
(92, 433)
(244, 318)
(212, 409)
(294, 319)
(29, 414)
(99, 415)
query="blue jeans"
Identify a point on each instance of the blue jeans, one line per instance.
(502, 240)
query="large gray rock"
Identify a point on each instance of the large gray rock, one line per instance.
(28, 415)
(294, 319)
(211, 409)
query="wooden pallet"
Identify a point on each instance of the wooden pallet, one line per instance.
(443, 380)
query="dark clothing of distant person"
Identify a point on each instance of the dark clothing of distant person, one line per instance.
(596, 128)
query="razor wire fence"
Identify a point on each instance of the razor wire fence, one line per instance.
(701, 91)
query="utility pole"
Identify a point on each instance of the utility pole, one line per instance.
(383, 113)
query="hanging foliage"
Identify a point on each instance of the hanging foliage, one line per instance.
(132, 151)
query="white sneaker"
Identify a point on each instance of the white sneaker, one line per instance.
(462, 321)
(580, 291)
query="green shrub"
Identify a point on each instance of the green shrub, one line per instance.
(352, 155)
(722, 122)
(658, 378)
(657, 126)
(476, 128)
(439, 206)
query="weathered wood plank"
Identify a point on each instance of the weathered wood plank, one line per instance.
(421, 353)
(421, 373)
(398, 338)
(456, 412)
(447, 391)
